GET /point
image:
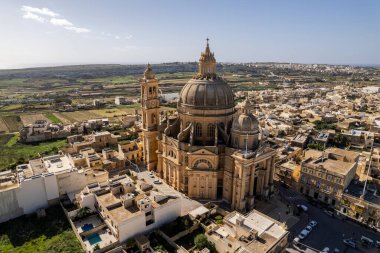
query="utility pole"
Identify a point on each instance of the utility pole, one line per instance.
(369, 168)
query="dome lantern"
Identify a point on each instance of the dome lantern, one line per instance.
(207, 64)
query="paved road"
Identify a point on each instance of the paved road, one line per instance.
(330, 231)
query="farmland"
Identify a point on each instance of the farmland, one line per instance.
(31, 118)
(112, 114)
(52, 118)
(13, 152)
(10, 123)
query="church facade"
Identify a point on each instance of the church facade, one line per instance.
(212, 149)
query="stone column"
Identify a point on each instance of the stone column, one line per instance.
(267, 171)
(160, 165)
(233, 194)
(207, 191)
(252, 180)
(272, 170)
(178, 178)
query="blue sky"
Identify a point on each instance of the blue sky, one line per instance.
(57, 32)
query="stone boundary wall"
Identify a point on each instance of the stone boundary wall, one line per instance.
(172, 243)
(93, 230)
(73, 227)
(185, 232)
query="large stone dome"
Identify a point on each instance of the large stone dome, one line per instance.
(214, 93)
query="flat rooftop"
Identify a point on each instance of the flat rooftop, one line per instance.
(117, 210)
(260, 223)
(342, 152)
(331, 165)
(312, 153)
(8, 180)
(269, 232)
(37, 167)
(57, 163)
(289, 165)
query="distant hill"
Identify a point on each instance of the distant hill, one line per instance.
(94, 71)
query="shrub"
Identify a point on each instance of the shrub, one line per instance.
(201, 242)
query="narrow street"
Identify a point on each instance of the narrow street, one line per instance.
(330, 231)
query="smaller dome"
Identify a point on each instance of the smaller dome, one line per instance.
(148, 73)
(246, 123)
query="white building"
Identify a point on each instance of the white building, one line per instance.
(122, 101)
(251, 233)
(129, 209)
(40, 183)
(371, 89)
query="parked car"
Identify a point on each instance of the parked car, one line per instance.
(296, 241)
(303, 207)
(150, 174)
(366, 241)
(326, 250)
(157, 182)
(313, 223)
(308, 228)
(304, 233)
(329, 213)
(336, 250)
(377, 244)
(350, 243)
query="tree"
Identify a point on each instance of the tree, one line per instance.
(63, 99)
(96, 247)
(83, 212)
(201, 242)
(315, 146)
(160, 248)
(340, 139)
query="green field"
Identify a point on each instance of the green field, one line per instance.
(30, 234)
(52, 118)
(13, 153)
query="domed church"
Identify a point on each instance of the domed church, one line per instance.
(212, 150)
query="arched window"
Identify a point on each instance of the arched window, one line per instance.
(198, 130)
(210, 130)
(150, 90)
(153, 118)
(203, 164)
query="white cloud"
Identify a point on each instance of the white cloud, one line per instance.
(60, 22)
(77, 29)
(29, 15)
(44, 14)
(40, 11)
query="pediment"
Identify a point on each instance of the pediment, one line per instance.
(203, 152)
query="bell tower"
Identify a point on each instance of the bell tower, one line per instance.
(150, 104)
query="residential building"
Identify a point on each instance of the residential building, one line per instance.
(40, 183)
(251, 233)
(325, 177)
(124, 204)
